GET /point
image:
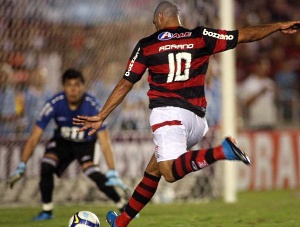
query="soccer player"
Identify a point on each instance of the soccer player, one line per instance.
(67, 144)
(177, 60)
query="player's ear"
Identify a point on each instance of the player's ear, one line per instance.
(160, 17)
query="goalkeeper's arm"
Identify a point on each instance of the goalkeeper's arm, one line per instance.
(27, 152)
(106, 148)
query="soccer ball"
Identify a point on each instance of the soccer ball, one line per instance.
(84, 219)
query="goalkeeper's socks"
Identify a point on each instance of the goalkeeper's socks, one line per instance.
(140, 197)
(195, 160)
(48, 207)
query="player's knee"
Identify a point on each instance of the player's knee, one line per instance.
(166, 170)
(169, 177)
(48, 166)
(93, 172)
(87, 165)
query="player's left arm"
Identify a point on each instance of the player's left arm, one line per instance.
(258, 32)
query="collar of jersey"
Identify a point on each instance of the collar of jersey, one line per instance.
(171, 28)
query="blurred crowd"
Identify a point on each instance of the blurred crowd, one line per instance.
(269, 70)
(34, 51)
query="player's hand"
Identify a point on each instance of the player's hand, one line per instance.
(290, 27)
(93, 123)
(17, 175)
(114, 180)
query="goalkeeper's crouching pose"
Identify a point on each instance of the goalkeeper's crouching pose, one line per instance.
(68, 145)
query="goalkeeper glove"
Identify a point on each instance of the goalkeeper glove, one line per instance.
(114, 180)
(17, 175)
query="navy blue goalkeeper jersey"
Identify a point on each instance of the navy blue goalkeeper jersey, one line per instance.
(57, 108)
(177, 61)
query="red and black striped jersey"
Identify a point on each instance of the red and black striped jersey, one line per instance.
(177, 60)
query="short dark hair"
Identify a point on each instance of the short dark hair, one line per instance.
(72, 74)
(168, 8)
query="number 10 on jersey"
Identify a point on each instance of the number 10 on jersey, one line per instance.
(175, 61)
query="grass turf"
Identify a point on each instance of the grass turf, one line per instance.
(273, 208)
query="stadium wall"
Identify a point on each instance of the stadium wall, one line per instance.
(275, 156)
(132, 152)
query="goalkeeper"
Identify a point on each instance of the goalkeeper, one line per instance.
(68, 145)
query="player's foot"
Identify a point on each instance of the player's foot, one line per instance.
(233, 152)
(43, 216)
(111, 217)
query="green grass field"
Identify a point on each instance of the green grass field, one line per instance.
(276, 208)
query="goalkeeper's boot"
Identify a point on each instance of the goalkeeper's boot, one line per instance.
(233, 152)
(111, 217)
(43, 216)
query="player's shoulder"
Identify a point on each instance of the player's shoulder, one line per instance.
(198, 31)
(146, 41)
(57, 98)
(90, 99)
(89, 96)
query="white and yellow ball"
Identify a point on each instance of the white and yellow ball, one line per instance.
(84, 219)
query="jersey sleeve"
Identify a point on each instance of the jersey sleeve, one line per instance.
(136, 65)
(46, 114)
(218, 40)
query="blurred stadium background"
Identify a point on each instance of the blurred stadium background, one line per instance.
(40, 39)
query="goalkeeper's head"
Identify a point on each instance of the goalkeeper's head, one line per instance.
(72, 74)
(73, 85)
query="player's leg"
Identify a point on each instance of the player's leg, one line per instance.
(140, 197)
(48, 166)
(93, 172)
(58, 155)
(85, 157)
(180, 129)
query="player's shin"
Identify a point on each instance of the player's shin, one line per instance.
(93, 172)
(195, 160)
(140, 197)
(47, 181)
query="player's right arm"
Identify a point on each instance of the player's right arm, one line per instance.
(31, 143)
(116, 97)
(258, 32)
(27, 152)
(46, 114)
(35, 136)
(136, 67)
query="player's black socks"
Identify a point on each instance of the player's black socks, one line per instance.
(47, 182)
(100, 180)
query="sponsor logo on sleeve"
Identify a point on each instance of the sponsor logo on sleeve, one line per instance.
(127, 73)
(217, 36)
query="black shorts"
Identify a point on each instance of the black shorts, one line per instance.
(67, 151)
